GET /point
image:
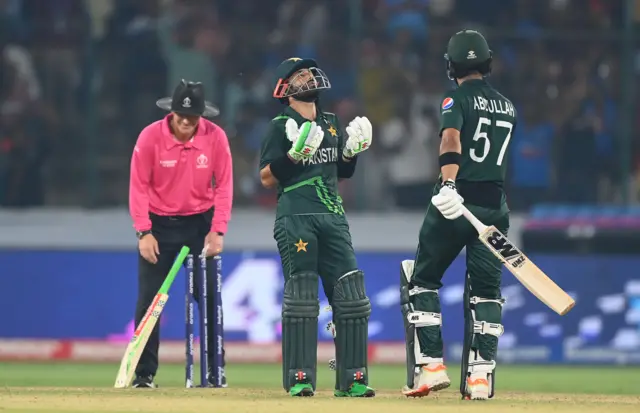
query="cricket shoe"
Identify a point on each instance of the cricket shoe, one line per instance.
(477, 386)
(303, 387)
(429, 377)
(357, 389)
(302, 390)
(144, 382)
(212, 379)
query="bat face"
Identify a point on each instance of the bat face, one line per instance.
(503, 248)
(532, 277)
(138, 341)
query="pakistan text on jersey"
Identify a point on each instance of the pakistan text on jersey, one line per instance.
(493, 106)
(323, 155)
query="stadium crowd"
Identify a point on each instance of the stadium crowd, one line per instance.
(79, 79)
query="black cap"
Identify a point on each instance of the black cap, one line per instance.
(188, 99)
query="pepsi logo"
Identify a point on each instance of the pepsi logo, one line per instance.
(447, 103)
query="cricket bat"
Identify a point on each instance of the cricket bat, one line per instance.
(146, 326)
(529, 275)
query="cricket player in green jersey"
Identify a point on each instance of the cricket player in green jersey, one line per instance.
(304, 154)
(476, 125)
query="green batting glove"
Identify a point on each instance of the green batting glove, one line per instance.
(305, 139)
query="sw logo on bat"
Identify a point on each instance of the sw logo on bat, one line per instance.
(507, 251)
(532, 277)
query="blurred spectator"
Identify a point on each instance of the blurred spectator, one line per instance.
(23, 149)
(23, 144)
(377, 79)
(87, 73)
(531, 159)
(190, 43)
(406, 15)
(578, 179)
(252, 123)
(410, 142)
(135, 24)
(58, 32)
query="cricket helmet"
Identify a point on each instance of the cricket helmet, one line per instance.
(188, 99)
(300, 79)
(468, 52)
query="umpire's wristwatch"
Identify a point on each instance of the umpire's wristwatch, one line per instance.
(141, 234)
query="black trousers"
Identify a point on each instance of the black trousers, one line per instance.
(172, 233)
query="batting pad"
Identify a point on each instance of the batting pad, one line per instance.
(420, 308)
(351, 311)
(300, 310)
(482, 330)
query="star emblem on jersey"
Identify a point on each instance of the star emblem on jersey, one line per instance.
(333, 131)
(301, 246)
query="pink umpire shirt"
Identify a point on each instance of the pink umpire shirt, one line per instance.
(173, 178)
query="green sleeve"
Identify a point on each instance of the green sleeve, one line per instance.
(450, 112)
(274, 144)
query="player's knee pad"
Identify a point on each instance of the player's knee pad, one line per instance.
(420, 308)
(351, 310)
(482, 330)
(300, 310)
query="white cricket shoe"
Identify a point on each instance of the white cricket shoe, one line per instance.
(430, 377)
(477, 386)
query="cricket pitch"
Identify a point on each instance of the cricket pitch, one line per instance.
(88, 388)
(86, 400)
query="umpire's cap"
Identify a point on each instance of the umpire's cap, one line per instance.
(188, 99)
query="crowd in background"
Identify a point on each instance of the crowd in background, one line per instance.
(79, 80)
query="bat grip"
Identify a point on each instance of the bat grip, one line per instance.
(479, 226)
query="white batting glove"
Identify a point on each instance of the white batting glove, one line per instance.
(306, 139)
(359, 138)
(448, 200)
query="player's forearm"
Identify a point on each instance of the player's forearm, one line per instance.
(280, 170)
(449, 172)
(266, 177)
(450, 150)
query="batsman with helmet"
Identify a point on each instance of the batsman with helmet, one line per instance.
(304, 154)
(477, 123)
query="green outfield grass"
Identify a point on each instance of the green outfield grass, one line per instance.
(57, 387)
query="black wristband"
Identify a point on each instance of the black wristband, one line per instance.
(284, 168)
(347, 169)
(141, 234)
(449, 158)
(450, 183)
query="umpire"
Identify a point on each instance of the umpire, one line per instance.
(180, 193)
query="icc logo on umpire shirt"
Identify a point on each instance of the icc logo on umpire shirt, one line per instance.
(202, 161)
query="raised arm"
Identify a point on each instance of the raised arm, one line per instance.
(275, 164)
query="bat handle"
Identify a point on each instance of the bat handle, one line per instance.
(479, 226)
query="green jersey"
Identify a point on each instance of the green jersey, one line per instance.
(486, 121)
(315, 189)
